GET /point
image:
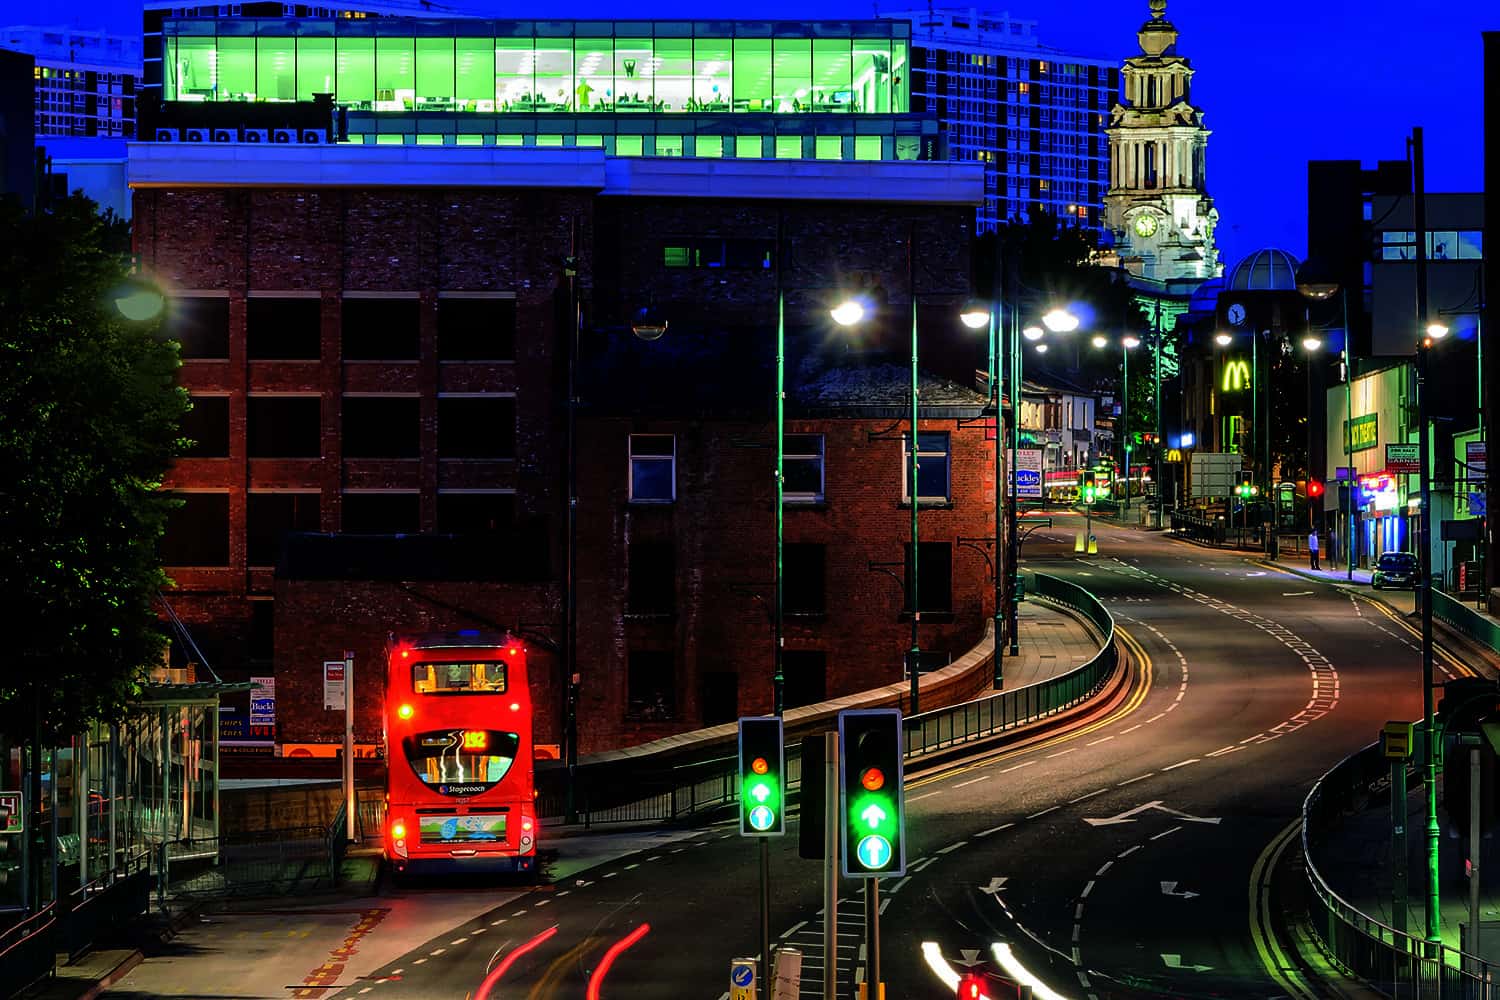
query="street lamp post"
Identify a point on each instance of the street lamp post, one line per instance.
(1319, 285)
(976, 316)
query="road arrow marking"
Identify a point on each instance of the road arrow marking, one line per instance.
(1128, 816)
(993, 889)
(1170, 889)
(970, 957)
(1175, 962)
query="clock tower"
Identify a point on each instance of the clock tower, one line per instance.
(1158, 208)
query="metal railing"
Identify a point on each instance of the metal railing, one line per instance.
(1394, 963)
(28, 951)
(1204, 529)
(681, 792)
(1464, 619)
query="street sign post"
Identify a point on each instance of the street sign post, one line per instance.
(1027, 463)
(333, 685)
(742, 979)
(1403, 459)
(872, 812)
(762, 760)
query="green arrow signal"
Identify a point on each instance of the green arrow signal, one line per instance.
(873, 816)
(760, 792)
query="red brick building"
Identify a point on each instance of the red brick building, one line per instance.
(376, 342)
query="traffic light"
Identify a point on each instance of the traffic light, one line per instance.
(970, 987)
(1314, 488)
(1246, 489)
(872, 811)
(1089, 491)
(762, 777)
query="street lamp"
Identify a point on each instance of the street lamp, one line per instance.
(975, 315)
(1033, 333)
(1128, 343)
(1100, 341)
(1311, 344)
(848, 312)
(1060, 320)
(1041, 348)
(1223, 339)
(138, 300)
(1437, 331)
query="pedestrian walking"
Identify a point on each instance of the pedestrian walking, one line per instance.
(1312, 548)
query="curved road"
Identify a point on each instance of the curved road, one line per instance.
(1115, 860)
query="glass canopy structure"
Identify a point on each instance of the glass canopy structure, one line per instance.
(408, 65)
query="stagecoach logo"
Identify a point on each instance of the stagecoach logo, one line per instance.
(460, 789)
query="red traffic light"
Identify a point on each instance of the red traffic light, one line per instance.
(1314, 488)
(759, 765)
(969, 988)
(872, 778)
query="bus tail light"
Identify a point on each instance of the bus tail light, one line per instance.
(398, 837)
(404, 711)
(528, 838)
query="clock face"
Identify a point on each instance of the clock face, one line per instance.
(1237, 314)
(1145, 224)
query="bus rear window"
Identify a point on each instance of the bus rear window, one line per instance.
(458, 678)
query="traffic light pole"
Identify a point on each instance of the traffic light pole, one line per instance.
(872, 938)
(765, 913)
(831, 846)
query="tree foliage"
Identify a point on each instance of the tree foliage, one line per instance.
(89, 421)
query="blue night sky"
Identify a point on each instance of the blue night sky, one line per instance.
(1279, 83)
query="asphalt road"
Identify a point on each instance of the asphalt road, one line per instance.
(1112, 861)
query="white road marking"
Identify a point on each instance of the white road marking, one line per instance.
(925, 795)
(1097, 791)
(1166, 833)
(1131, 781)
(1017, 767)
(419, 961)
(1132, 728)
(994, 829)
(1103, 868)
(953, 847)
(971, 781)
(1086, 890)
(1044, 812)
(1128, 851)
(1095, 743)
(438, 952)
(1184, 763)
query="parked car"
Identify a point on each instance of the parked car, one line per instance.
(1396, 569)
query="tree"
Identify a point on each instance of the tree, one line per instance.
(91, 421)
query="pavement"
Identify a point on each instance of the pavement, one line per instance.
(1051, 642)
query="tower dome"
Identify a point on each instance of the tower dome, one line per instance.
(1268, 270)
(1157, 36)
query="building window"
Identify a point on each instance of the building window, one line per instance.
(719, 254)
(933, 466)
(477, 426)
(381, 513)
(651, 686)
(476, 329)
(381, 427)
(206, 425)
(1398, 245)
(804, 675)
(653, 579)
(269, 517)
(935, 576)
(479, 513)
(283, 329)
(803, 583)
(719, 697)
(381, 329)
(197, 531)
(200, 325)
(653, 468)
(802, 465)
(285, 427)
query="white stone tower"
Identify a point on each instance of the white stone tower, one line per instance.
(1158, 206)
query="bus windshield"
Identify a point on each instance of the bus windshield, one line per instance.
(458, 678)
(464, 757)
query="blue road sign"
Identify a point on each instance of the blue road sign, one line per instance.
(874, 851)
(743, 975)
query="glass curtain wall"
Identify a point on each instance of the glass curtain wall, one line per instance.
(545, 67)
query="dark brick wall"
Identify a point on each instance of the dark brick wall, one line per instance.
(239, 241)
(721, 528)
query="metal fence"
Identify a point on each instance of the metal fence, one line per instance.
(1464, 619)
(681, 792)
(265, 862)
(1394, 963)
(28, 950)
(1196, 526)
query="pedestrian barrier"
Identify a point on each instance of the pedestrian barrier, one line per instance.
(687, 790)
(28, 951)
(1394, 963)
(1464, 619)
(1204, 529)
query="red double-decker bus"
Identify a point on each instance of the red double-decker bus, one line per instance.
(459, 776)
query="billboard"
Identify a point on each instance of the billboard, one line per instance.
(1215, 473)
(1027, 464)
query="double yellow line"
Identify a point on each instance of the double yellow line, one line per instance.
(1439, 651)
(1137, 697)
(1262, 916)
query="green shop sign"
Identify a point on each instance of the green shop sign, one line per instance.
(1361, 433)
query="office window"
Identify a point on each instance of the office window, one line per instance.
(803, 583)
(652, 586)
(935, 577)
(476, 426)
(709, 146)
(932, 467)
(381, 427)
(651, 686)
(1398, 245)
(200, 325)
(804, 675)
(1470, 245)
(719, 697)
(207, 426)
(716, 253)
(270, 516)
(475, 513)
(829, 147)
(788, 147)
(285, 427)
(381, 513)
(653, 468)
(197, 531)
(802, 465)
(283, 329)
(480, 329)
(381, 329)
